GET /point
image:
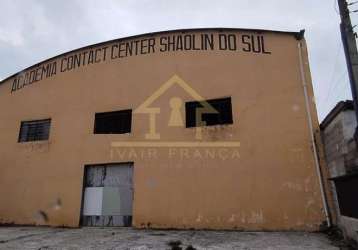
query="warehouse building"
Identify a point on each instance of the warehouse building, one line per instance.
(200, 128)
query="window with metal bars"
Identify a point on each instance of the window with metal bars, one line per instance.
(36, 130)
(223, 114)
(116, 122)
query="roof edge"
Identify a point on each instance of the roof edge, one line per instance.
(298, 35)
(340, 106)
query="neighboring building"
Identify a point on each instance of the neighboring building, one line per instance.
(202, 128)
(342, 160)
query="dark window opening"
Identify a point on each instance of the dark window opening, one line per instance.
(347, 193)
(37, 130)
(116, 122)
(223, 114)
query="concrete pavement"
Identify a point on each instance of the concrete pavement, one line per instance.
(134, 239)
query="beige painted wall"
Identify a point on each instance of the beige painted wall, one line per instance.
(273, 185)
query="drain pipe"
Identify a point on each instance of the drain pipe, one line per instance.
(309, 118)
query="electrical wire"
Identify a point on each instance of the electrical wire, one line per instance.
(337, 94)
(342, 79)
(339, 82)
(330, 82)
(349, 4)
(334, 84)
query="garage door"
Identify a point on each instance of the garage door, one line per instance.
(108, 195)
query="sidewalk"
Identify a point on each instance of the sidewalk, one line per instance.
(128, 238)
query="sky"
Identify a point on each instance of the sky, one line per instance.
(34, 30)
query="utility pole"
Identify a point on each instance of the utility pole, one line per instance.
(350, 51)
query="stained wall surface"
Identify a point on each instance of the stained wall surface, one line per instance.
(257, 173)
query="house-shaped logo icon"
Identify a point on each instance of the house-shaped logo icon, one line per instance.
(175, 105)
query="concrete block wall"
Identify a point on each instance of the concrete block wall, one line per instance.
(335, 145)
(351, 158)
(341, 158)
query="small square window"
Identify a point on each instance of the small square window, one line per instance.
(116, 122)
(37, 130)
(223, 115)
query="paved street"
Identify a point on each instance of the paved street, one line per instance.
(128, 238)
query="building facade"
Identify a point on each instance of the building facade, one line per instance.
(202, 128)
